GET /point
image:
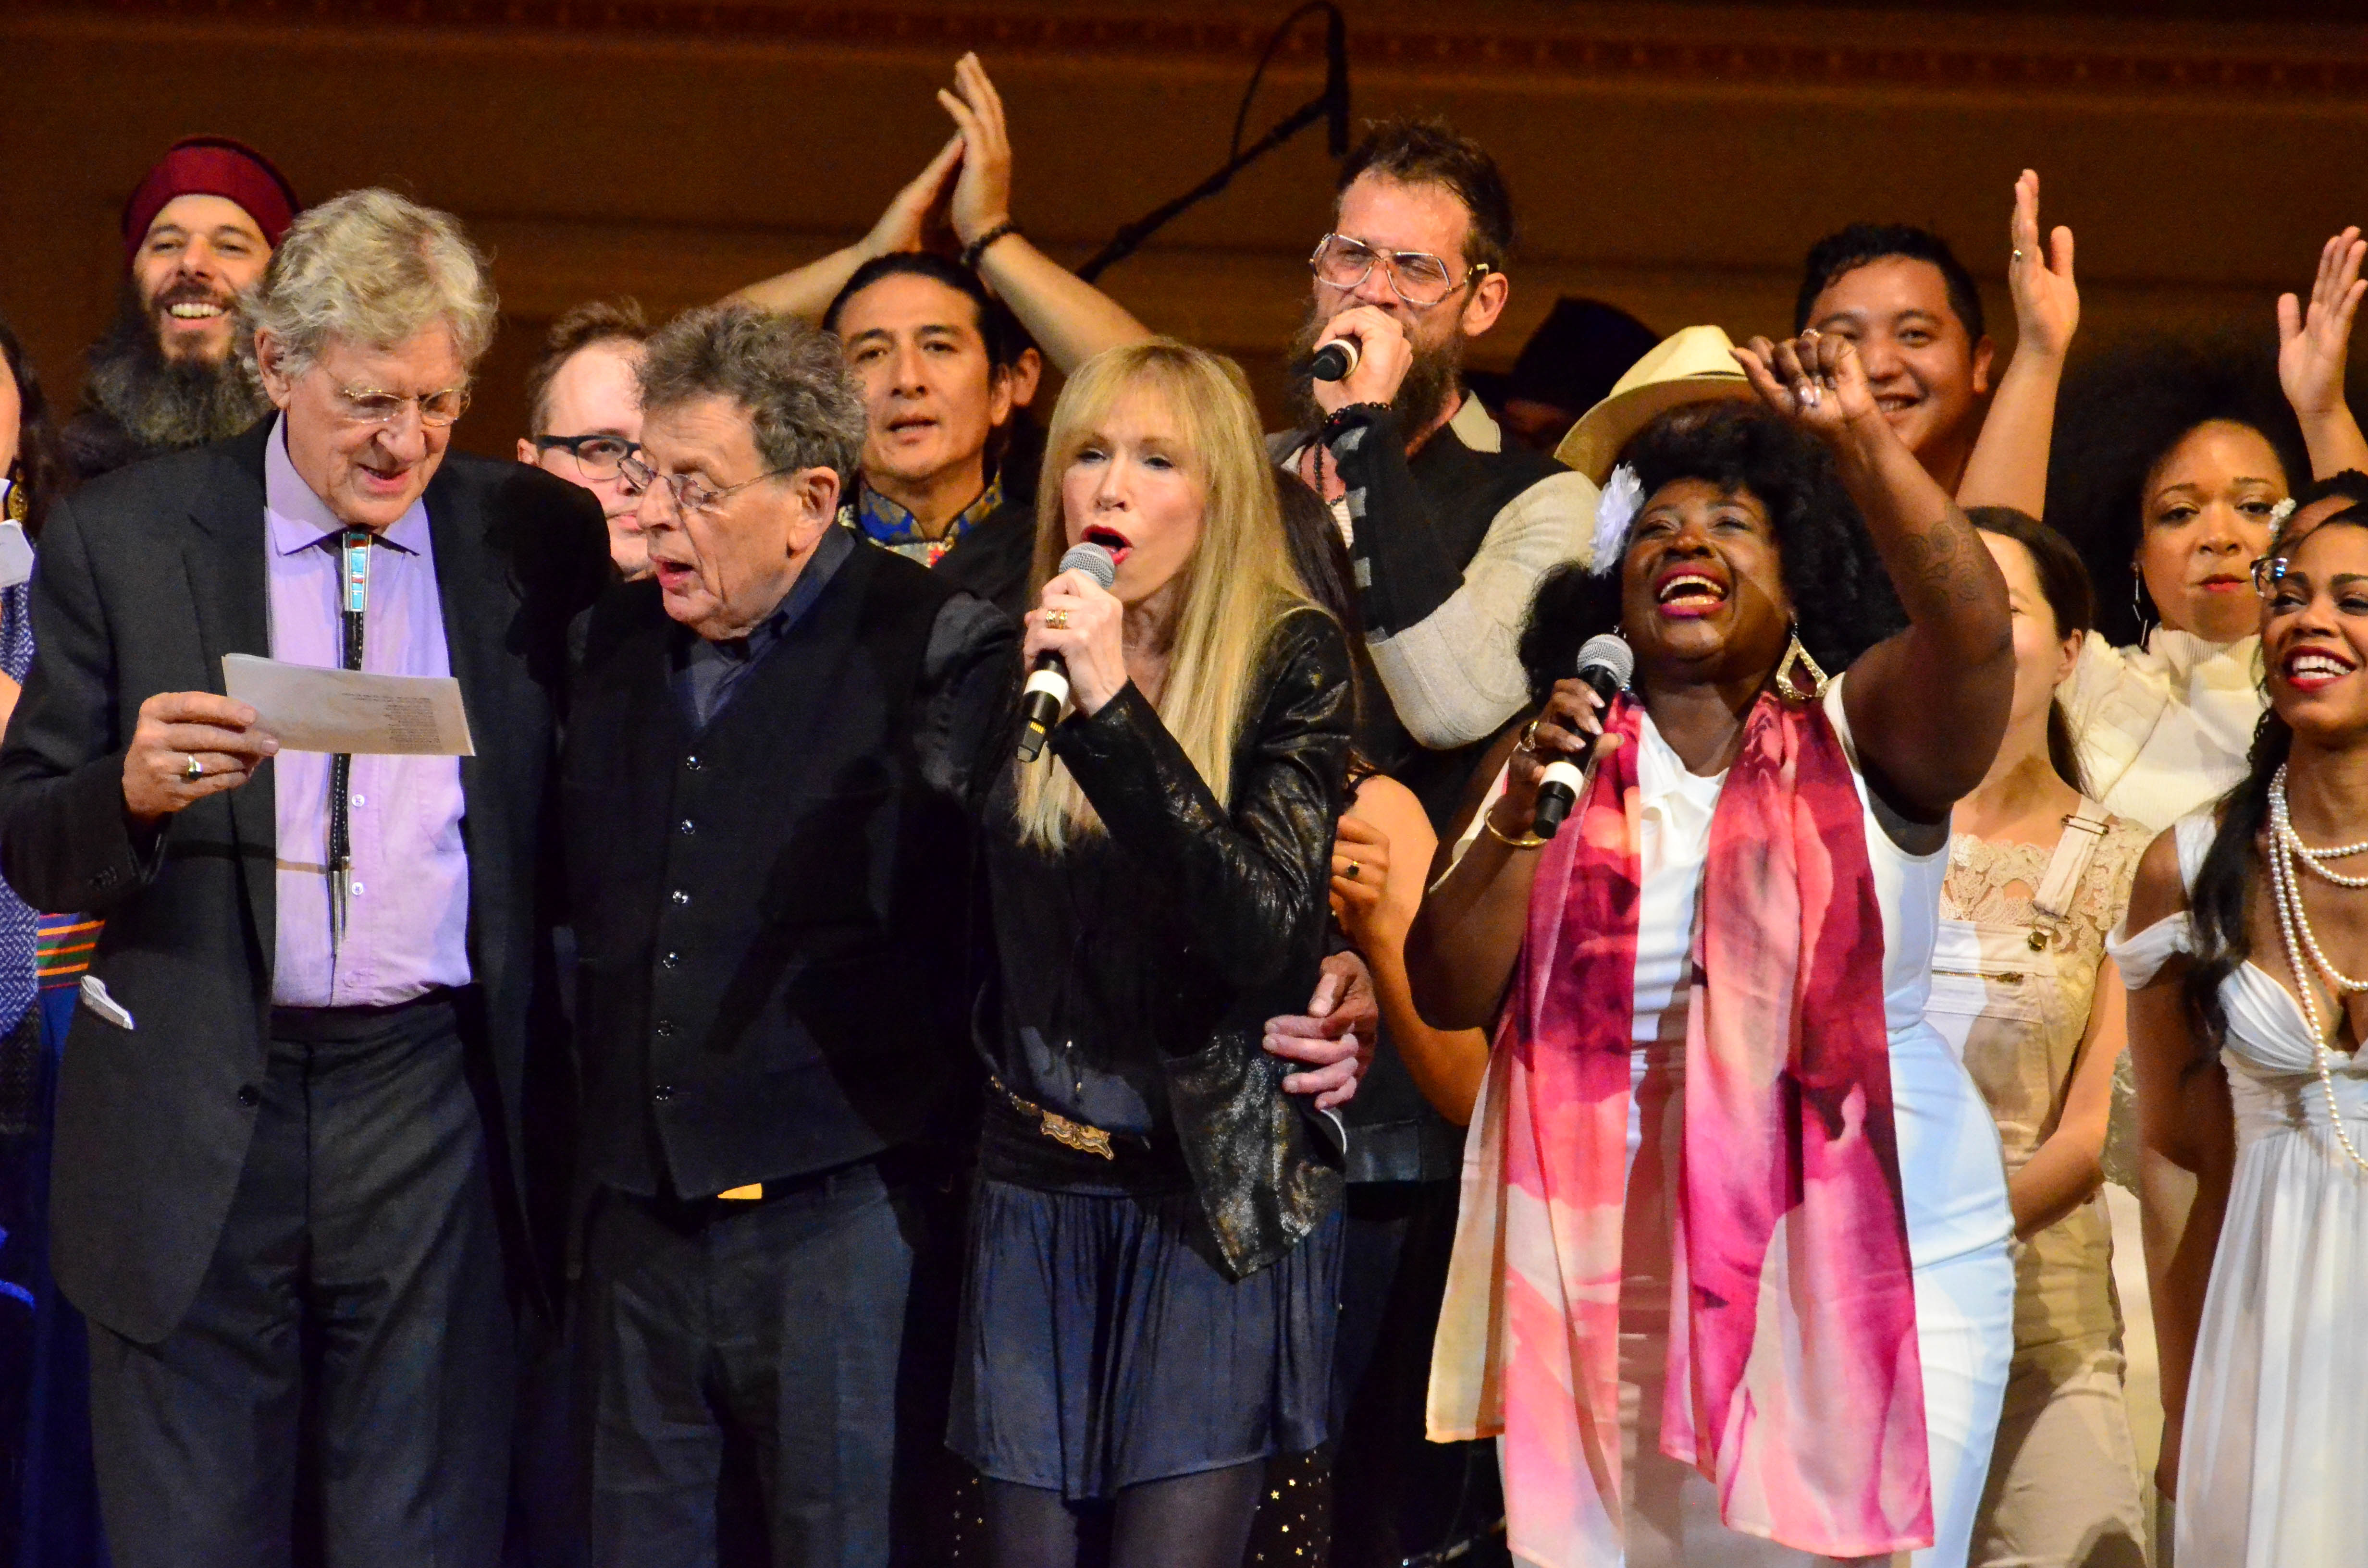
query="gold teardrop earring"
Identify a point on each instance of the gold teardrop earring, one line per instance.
(1788, 676)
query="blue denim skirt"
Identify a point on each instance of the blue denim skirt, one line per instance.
(1104, 1346)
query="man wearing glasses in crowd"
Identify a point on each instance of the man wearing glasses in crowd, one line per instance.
(290, 1187)
(584, 414)
(1451, 525)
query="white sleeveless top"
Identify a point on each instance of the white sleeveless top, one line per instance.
(1952, 1171)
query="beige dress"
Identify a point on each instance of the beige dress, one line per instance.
(2022, 934)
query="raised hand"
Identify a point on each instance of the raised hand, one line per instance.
(2313, 343)
(906, 225)
(1815, 380)
(2046, 299)
(981, 200)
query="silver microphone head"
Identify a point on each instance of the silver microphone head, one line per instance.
(1609, 651)
(1097, 562)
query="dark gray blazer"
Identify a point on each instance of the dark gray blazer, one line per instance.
(147, 577)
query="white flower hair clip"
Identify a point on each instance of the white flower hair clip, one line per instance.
(1615, 510)
(2281, 512)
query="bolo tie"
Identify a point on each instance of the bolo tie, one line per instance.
(354, 547)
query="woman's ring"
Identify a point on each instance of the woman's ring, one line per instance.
(1530, 735)
(1353, 864)
(1056, 620)
(193, 769)
(2016, 254)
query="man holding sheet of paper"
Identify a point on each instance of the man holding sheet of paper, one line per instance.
(290, 1166)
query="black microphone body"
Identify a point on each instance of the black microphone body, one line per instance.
(1605, 664)
(1335, 361)
(1048, 682)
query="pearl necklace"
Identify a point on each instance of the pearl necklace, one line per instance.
(2287, 850)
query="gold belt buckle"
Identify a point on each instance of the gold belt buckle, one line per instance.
(1075, 1134)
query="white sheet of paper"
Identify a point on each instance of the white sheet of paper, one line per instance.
(312, 709)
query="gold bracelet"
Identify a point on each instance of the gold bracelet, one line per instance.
(1527, 840)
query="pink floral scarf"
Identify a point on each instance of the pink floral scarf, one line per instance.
(1793, 1382)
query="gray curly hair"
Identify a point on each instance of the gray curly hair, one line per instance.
(787, 376)
(373, 268)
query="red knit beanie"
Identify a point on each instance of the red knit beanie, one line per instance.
(212, 165)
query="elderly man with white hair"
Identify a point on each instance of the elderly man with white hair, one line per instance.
(289, 1191)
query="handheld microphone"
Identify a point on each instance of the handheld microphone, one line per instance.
(1048, 683)
(1606, 664)
(1334, 361)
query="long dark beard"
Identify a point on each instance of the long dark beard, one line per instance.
(1430, 381)
(168, 404)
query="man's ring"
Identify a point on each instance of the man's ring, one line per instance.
(1354, 866)
(193, 769)
(1056, 620)
(2016, 254)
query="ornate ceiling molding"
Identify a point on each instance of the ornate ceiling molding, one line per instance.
(1680, 45)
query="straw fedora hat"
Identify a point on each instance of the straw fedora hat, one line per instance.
(1695, 364)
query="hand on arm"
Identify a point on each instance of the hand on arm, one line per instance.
(2313, 345)
(1334, 1037)
(807, 292)
(1071, 319)
(2009, 467)
(1929, 705)
(1461, 950)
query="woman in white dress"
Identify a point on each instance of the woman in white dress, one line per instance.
(2245, 1028)
(1731, 1281)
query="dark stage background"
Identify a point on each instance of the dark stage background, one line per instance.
(1673, 158)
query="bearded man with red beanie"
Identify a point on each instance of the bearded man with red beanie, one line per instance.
(171, 372)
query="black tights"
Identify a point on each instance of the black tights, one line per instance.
(1188, 1521)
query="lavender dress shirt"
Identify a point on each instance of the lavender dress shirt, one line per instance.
(408, 916)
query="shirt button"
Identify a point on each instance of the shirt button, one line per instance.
(358, 889)
(693, 763)
(680, 898)
(663, 1093)
(666, 1029)
(248, 1095)
(362, 800)
(686, 827)
(671, 960)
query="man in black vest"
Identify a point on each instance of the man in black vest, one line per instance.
(295, 1106)
(765, 780)
(1451, 524)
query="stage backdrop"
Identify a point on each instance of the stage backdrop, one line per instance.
(1672, 158)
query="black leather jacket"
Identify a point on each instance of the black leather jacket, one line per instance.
(1250, 881)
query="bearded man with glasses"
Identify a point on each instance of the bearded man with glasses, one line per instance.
(291, 1186)
(1451, 525)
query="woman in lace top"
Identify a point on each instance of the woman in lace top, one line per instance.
(2022, 988)
(2246, 1032)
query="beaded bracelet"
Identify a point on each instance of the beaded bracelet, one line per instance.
(977, 247)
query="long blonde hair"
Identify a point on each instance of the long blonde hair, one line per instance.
(1238, 583)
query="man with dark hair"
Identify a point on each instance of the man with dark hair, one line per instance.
(171, 373)
(932, 354)
(584, 415)
(1450, 526)
(769, 758)
(1902, 297)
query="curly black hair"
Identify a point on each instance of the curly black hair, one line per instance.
(2121, 415)
(1842, 596)
(1862, 243)
(41, 466)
